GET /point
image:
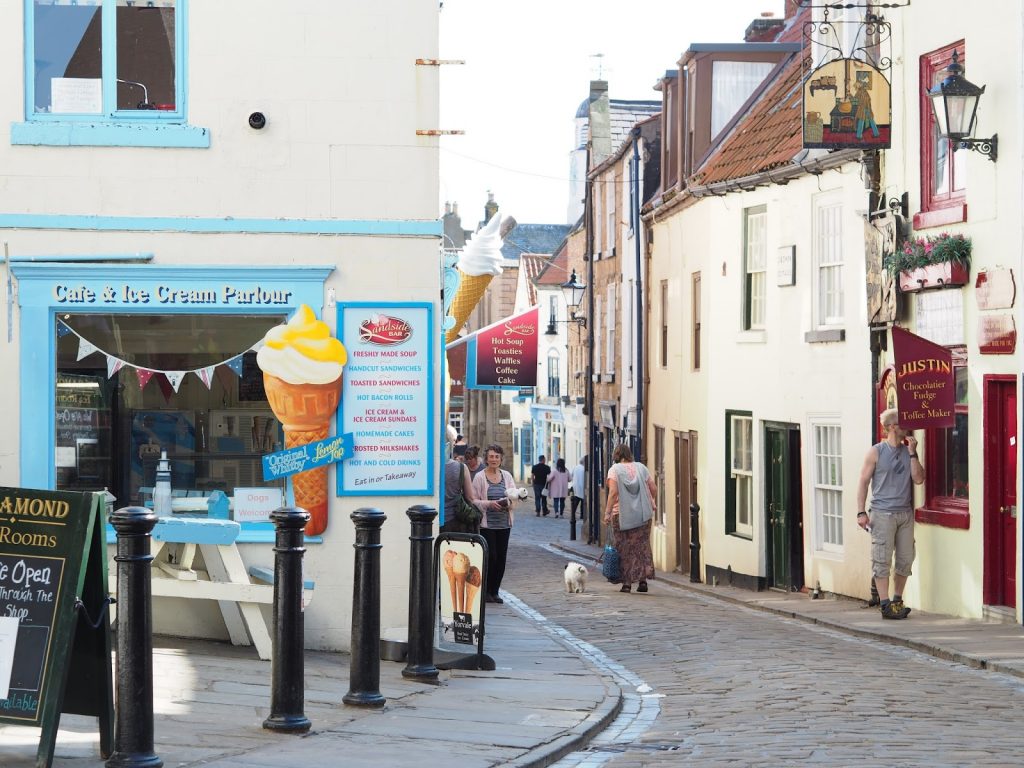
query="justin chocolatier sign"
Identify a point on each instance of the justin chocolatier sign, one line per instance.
(925, 390)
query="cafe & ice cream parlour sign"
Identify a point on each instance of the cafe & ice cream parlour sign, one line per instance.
(503, 355)
(54, 631)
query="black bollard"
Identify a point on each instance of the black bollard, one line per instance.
(572, 521)
(364, 666)
(420, 659)
(695, 543)
(133, 724)
(287, 672)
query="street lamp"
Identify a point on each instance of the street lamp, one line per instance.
(573, 292)
(955, 104)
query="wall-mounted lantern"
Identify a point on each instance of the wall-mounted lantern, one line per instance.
(955, 103)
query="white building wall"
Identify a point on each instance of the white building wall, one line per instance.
(343, 99)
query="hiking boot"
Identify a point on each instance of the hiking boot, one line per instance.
(899, 606)
(891, 611)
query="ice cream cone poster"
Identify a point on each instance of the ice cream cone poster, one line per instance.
(388, 403)
(461, 574)
(302, 368)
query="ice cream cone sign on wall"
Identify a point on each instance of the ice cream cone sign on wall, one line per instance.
(302, 366)
(478, 264)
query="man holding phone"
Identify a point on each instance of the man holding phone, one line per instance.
(892, 468)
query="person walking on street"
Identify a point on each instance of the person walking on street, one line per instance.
(579, 485)
(629, 511)
(892, 468)
(558, 487)
(539, 478)
(496, 485)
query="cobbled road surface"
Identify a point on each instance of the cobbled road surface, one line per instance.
(710, 683)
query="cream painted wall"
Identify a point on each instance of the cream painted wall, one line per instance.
(950, 564)
(343, 98)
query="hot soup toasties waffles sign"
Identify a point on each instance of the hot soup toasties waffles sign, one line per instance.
(387, 403)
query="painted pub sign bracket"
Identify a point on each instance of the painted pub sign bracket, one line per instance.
(847, 95)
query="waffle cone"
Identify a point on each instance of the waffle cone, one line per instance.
(471, 288)
(305, 411)
(470, 596)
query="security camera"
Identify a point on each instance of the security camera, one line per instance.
(257, 120)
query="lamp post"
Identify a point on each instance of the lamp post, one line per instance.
(955, 104)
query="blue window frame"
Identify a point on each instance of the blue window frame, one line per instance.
(95, 66)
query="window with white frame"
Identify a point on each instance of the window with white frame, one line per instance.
(828, 258)
(554, 380)
(755, 258)
(105, 59)
(597, 213)
(610, 356)
(828, 486)
(552, 313)
(740, 478)
(598, 318)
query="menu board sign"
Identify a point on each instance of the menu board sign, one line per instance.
(387, 399)
(51, 556)
(504, 355)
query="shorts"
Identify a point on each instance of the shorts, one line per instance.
(892, 533)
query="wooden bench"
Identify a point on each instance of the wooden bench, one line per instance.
(175, 541)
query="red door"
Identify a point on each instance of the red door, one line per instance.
(1001, 452)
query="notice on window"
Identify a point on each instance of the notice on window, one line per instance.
(386, 399)
(8, 639)
(76, 95)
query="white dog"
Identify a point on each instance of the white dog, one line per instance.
(517, 494)
(575, 578)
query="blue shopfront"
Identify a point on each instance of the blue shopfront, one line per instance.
(121, 363)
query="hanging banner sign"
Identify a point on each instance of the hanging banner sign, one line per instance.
(925, 391)
(503, 355)
(847, 103)
(388, 403)
(308, 456)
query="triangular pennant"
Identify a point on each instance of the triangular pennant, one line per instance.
(235, 364)
(85, 348)
(143, 375)
(206, 375)
(226, 377)
(62, 329)
(113, 365)
(174, 378)
(165, 388)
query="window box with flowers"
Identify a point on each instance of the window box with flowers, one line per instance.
(942, 261)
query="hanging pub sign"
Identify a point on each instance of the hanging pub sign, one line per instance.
(925, 390)
(504, 354)
(847, 104)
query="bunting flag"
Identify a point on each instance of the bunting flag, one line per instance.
(165, 388)
(206, 375)
(235, 364)
(174, 378)
(222, 370)
(85, 348)
(143, 375)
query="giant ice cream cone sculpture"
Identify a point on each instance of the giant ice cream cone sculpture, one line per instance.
(478, 263)
(302, 366)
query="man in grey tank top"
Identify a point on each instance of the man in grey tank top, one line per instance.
(892, 469)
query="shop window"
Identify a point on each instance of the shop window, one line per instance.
(103, 64)
(739, 474)
(755, 259)
(132, 386)
(946, 462)
(943, 171)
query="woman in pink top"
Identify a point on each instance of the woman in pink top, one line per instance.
(558, 487)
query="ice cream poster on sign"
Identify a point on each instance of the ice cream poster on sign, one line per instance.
(388, 397)
(462, 576)
(302, 372)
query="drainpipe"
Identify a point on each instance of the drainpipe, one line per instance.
(638, 248)
(593, 503)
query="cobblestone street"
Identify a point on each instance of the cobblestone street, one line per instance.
(734, 686)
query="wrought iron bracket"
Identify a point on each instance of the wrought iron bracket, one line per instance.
(987, 147)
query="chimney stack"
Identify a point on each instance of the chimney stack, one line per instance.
(491, 208)
(600, 122)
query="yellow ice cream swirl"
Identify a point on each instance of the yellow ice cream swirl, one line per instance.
(302, 350)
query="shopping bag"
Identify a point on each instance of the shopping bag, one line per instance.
(610, 564)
